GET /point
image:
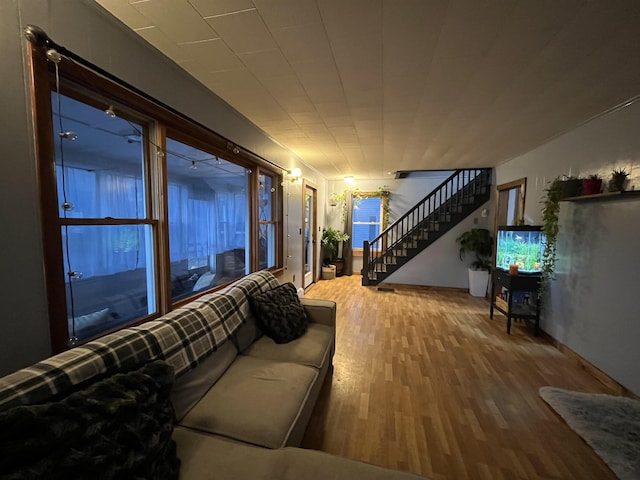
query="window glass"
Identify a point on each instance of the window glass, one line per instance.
(120, 199)
(100, 169)
(110, 281)
(208, 214)
(266, 216)
(107, 241)
(366, 220)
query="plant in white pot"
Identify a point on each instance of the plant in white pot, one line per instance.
(331, 240)
(478, 242)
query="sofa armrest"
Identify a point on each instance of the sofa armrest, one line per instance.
(320, 311)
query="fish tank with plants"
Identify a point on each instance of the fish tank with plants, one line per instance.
(522, 246)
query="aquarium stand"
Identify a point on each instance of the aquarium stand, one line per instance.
(521, 293)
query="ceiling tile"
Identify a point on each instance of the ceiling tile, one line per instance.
(368, 86)
(177, 19)
(285, 13)
(126, 13)
(266, 63)
(243, 32)
(208, 8)
(213, 55)
(158, 39)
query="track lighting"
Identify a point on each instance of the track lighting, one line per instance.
(109, 112)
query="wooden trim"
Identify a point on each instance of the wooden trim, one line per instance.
(42, 115)
(314, 231)
(156, 120)
(612, 384)
(105, 221)
(512, 184)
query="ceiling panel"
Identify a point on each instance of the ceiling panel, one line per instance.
(209, 8)
(243, 32)
(177, 19)
(364, 87)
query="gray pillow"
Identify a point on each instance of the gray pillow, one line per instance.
(279, 313)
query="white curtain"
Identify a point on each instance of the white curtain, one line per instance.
(201, 221)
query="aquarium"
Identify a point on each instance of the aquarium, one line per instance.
(522, 246)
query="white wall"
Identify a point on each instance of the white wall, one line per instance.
(439, 265)
(86, 29)
(594, 299)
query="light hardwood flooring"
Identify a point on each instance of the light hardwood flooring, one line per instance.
(425, 382)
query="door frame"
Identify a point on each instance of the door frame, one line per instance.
(519, 183)
(313, 231)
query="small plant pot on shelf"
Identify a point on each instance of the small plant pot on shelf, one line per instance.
(571, 187)
(328, 272)
(591, 186)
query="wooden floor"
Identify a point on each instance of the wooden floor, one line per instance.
(425, 382)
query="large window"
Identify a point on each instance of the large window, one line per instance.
(142, 209)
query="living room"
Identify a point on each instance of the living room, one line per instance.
(592, 304)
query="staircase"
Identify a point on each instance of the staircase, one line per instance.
(448, 204)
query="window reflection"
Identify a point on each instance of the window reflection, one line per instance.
(208, 219)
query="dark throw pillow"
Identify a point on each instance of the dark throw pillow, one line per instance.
(117, 428)
(280, 313)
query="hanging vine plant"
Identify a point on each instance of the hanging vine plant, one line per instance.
(340, 198)
(550, 215)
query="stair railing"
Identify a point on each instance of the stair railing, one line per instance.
(446, 198)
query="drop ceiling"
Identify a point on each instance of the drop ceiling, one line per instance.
(371, 87)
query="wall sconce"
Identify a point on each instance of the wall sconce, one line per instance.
(349, 179)
(295, 175)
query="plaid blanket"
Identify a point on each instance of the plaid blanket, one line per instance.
(183, 338)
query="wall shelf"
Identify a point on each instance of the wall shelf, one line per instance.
(604, 196)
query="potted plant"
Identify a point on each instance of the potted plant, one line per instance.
(331, 239)
(618, 177)
(592, 185)
(571, 186)
(478, 242)
(550, 215)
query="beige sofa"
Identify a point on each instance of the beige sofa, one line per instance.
(241, 401)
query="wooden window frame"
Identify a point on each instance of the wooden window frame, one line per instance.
(384, 202)
(87, 86)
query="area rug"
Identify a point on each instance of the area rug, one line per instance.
(609, 424)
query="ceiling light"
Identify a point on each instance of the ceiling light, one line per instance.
(349, 179)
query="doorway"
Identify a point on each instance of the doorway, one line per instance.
(510, 207)
(309, 237)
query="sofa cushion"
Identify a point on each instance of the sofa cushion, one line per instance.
(240, 461)
(191, 387)
(312, 349)
(256, 401)
(280, 313)
(247, 333)
(118, 427)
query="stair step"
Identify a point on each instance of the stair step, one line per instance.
(458, 206)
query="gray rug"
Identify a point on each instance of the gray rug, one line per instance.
(609, 424)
